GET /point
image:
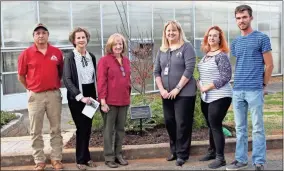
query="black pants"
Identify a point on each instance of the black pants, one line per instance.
(214, 114)
(178, 115)
(83, 124)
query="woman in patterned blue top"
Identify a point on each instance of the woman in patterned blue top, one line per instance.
(215, 74)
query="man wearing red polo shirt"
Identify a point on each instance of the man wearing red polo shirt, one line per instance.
(39, 70)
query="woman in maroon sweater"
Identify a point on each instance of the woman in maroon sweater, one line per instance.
(114, 90)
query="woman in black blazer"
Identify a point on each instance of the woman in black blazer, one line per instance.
(79, 77)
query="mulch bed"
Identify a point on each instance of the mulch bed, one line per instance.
(154, 136)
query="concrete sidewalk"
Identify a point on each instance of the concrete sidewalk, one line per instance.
(274, 162)
(16, 151)
(14, 146)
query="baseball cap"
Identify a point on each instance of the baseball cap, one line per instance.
(40, 25)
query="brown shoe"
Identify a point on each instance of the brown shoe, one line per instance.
(56, 164)
(40, 166)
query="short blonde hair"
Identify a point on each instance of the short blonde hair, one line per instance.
(76, 30)
(165, 43)
(110, 43)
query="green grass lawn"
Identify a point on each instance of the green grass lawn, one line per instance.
(273, 115)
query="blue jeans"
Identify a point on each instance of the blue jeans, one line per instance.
(242, 101)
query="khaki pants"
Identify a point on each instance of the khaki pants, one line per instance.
(48, 102)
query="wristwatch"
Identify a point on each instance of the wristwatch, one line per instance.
(264, 85)
(178, 87)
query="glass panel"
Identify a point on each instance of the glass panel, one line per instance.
(157, 45)
(220, 12)
(140, 16)
(11, 84)
(112, 21)
(263, 12)
(56, 16)
(10, 61)
(86, 14)
(264, 27)
(19, 18)
(277, 62)
(184, 16)
(203, 11)
(233, 63)
(275, 44)
(95, 50)
(197, 47)
(201, 29)
(162, 14)
(234, 31)
(275, 28)
(275, 12)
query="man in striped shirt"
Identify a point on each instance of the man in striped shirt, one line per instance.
(253, 70)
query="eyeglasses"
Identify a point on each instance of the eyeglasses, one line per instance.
(122, 70)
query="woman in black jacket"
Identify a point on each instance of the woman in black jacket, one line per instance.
(79, 77)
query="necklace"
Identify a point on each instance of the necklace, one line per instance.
(214, 50)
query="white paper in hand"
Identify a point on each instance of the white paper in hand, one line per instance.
(203, 95)
(90, 110)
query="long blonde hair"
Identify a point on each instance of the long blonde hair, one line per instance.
(165, 43)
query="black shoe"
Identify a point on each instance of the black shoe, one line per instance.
(258, 167)
(121, 161)
(172, 157)
(111, 164)
(217, 163)
(208, 156)
(180, 162)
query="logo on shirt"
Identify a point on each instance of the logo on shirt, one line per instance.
(54, 58)
(179, 55)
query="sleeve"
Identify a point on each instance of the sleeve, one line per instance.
(265, 44)
(67, 78)
(190, 60)
(22, 64)
(225, 71)
(157, 65)
(233, 48)
(102, 78)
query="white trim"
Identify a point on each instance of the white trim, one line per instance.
(228, 28)
(2, 30)
(270, 21)
(71, 15)
(282, 37)
(152, 20)
(37, 9)
(102, 30)
(10, 73)
(16, 49)
(198, 38)
(212, 14)
(174, 13)
(128, 27)
(1, 75)
(194, 24)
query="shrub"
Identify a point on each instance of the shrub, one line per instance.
(6, 117)
(155, 103)
(199, 120)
